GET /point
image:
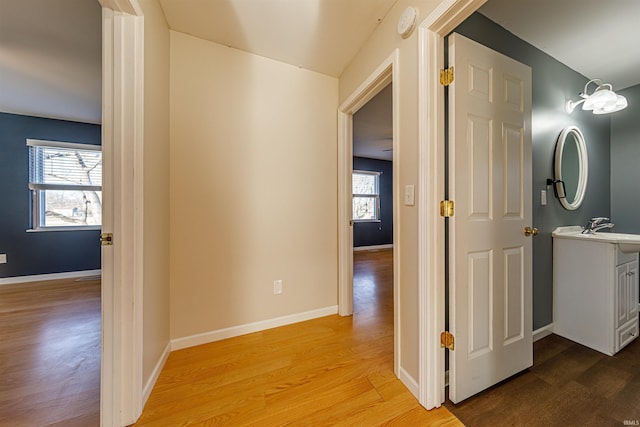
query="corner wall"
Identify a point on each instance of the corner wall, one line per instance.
(625, 174)
(379, 46)
(156, 190)
(253, 188)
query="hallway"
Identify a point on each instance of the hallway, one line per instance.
(328, 371)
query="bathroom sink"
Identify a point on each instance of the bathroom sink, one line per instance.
(627, 243)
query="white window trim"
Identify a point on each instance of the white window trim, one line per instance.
(376, 196)
(77, 228)
(62, 144)
(35, 187)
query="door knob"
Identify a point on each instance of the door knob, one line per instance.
(530, 231)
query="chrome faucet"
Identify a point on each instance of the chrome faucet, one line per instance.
(597, 224)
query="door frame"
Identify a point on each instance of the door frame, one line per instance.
(385, 73)
(431, 239)
(431, 286)
(121, 391)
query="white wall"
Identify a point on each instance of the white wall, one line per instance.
(379, 46)
(253, 187)
(156, 187)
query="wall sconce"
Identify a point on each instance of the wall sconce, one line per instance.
(603, 100)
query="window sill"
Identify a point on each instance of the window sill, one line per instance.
(45, 229)
(359, 221)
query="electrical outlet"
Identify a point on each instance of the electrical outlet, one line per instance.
(277, 287)
(3, 258)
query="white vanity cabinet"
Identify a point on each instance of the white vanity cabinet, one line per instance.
(595, 293)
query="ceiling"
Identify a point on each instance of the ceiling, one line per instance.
(51, 58)
(596, 38)
(373, 127)
(318, 35)
(50, 51)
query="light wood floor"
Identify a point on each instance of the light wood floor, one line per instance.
(329, 371)
(50, 354)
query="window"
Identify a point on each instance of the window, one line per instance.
(366, 196)
(65, 180)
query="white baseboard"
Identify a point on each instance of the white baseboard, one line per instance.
(234, 331)
(51, 276)
(372, 248)
(146, 392)
(540, 333)
(409, 382)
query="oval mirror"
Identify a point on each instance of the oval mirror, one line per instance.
(571, 168)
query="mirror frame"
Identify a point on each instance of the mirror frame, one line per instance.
(583, 166)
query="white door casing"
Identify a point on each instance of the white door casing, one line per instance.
(490, 274)
(122, 145)
(431, 237)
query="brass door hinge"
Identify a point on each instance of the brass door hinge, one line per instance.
(446, 76)
(446, 208)
(447, 340)
(106, 239)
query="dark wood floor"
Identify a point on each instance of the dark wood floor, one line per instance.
(50, 354)
(568, 385)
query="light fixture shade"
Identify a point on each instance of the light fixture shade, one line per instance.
(620, 104)
(600, 99)
(603, 100)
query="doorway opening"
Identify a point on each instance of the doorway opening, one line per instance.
(372, 205)
(50, 287)
(376, 83)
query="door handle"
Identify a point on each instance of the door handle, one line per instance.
(530, 231)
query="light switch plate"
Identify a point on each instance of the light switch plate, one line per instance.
(543, 197)
(409, 195)
(3, 258)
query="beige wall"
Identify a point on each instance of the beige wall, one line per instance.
(379, 46)
(156, 186)
(253, 187)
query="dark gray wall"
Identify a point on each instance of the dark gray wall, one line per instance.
(376, 233)
(553, 84)
(42, 252)
(625, 164)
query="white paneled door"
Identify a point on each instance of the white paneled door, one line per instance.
(490, 256)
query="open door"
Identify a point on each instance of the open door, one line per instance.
(490, 267)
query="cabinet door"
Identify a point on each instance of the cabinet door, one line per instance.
(622, 295)
(632, 302)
